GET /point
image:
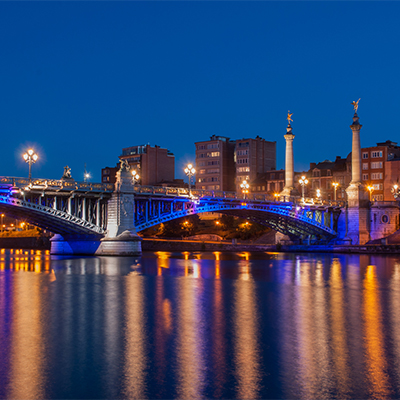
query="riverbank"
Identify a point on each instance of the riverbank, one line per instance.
(34, 242)
(171, 245)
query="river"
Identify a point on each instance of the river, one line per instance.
(199, 325)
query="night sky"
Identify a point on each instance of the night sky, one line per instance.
(81, 80)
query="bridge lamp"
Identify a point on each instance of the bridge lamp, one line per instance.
(396, 192)
(190, 171)
(370, 188)
(30, 157)
(318, 193)
(303, 182)
(245, 188)
(135, 176)
(335, 186)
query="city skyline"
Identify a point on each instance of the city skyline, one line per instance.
(81, 81)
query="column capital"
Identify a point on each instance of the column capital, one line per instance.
(355, 126)
(289, 136)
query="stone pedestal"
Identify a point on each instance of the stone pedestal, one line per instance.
(121, 238)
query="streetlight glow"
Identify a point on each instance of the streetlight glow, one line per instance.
(335, 186)
(303, 182)
(370, 188)
(30, 157)
(135, 176)
(190, 171)
(245, 188)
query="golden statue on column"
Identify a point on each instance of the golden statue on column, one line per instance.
(355, 105)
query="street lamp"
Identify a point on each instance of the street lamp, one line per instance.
(189, 171)
(245, 188)
(335, 186)
(303, 182)
(30, 157)
(370, 188)
(135, 177)
(318, 194)
(396, 192)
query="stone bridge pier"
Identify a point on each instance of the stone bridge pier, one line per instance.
(121, 238)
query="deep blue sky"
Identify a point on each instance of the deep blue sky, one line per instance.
(81, 80)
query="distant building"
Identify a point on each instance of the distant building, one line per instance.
(253, 157)
(154, 165)
(108, 174)
(322, 175)
(223, 164)
(215, 168)
(273, 182)
(375, 160)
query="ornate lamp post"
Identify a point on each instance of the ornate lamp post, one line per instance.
(303, 182)
(370, 188)
(335, 186)
(245, 188)
(396, 192)
(30, 157)
(190, 171)
(318, 194)
(135, 176)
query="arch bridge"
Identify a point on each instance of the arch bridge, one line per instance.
(67, 207)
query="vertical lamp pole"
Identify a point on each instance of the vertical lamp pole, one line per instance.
(135, 177)
(2, 217)
(189, 171)
(370, 188)
(303, 182)
(30, 157)
(245, 188)
(396, 192)
(335, 186)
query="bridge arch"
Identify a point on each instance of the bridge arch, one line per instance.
(286, 218)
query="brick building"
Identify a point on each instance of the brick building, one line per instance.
(253, 157)
(215, 168)
(374, 161)
(223, 164)
(155, 165)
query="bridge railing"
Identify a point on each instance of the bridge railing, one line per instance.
(218, 194)
(57, 184)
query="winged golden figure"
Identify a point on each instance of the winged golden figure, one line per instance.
(355, 105)
(289, 117)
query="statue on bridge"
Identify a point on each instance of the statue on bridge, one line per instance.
(67, 174)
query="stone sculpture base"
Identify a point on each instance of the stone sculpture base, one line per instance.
(126, 244)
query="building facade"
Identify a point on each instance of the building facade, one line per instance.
(215, 168)
(154, 165)
(375, 160)
(253, 157)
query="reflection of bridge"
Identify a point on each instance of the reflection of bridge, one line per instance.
(73, 209)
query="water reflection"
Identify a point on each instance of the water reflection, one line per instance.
(190, 325)
(246, 345)
(374, 339)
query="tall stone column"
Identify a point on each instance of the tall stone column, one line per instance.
(356, 152)
(289, 189)
(358, 207)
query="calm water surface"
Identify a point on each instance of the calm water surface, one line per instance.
(196, 325)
